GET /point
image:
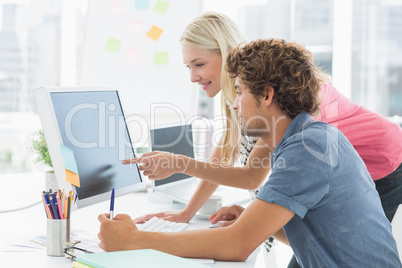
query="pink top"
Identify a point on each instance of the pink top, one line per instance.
(377, 140)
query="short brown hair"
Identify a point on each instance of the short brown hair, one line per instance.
(287, 67)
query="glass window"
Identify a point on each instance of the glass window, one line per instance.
(369, 70)
(30, 52)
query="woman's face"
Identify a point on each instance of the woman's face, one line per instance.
(205, 68)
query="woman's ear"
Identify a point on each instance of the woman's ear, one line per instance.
(269, 95)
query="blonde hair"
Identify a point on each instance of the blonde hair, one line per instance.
(217, 32)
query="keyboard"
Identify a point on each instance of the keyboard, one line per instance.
(156, 224)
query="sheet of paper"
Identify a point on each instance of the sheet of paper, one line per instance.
(208, 262)
(24, 245)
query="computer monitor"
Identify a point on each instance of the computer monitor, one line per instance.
(91, 122)
(176, 139)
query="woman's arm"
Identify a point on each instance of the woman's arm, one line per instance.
(159, 165)
(204, 190)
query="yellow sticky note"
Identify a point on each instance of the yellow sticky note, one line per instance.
(161, 7)
(72, 178)
(161, 58)
(154, 33)
(113, 45)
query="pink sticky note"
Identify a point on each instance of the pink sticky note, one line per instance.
(135, 26)
(116, 7)
(133, 53)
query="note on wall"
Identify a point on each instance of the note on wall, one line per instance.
(161, 58)
(116, 7)
(154, 33)
(141, 4)
(135, 26)
(161, 7)
(130, 43)
(133, 53)
(113, 45)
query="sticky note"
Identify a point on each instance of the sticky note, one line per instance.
(68, 158)
(141, 4)
(135, 26)
(116, 7)
(154, 33)
(133, 53)
(113, 45)
(73, 178)
(161, 7)
(161, 58)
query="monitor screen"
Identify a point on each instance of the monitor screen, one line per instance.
(175, 139)
(92, 124)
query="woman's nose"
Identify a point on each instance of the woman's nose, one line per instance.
(194, 76)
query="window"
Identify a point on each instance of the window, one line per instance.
(30, 57)
(358, 43)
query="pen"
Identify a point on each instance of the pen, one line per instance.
(54, 208)
(111, 205)
(46, 195)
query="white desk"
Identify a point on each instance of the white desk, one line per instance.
(21, 225)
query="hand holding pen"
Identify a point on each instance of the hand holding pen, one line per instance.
(111, 205)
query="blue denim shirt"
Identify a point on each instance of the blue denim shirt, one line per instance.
(339, 221)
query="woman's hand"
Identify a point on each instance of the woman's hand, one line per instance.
(226, 214)
(158, 165)
(176, 216)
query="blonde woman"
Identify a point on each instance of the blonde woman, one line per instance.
(206, 42)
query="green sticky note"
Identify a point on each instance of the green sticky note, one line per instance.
(161, 58)
(161, 7)
(113, 44)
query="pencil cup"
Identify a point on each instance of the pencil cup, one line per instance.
(58, 234)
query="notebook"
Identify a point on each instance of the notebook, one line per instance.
(143, 258)
(180, 187)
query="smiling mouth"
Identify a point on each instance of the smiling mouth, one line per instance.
(205, 86)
